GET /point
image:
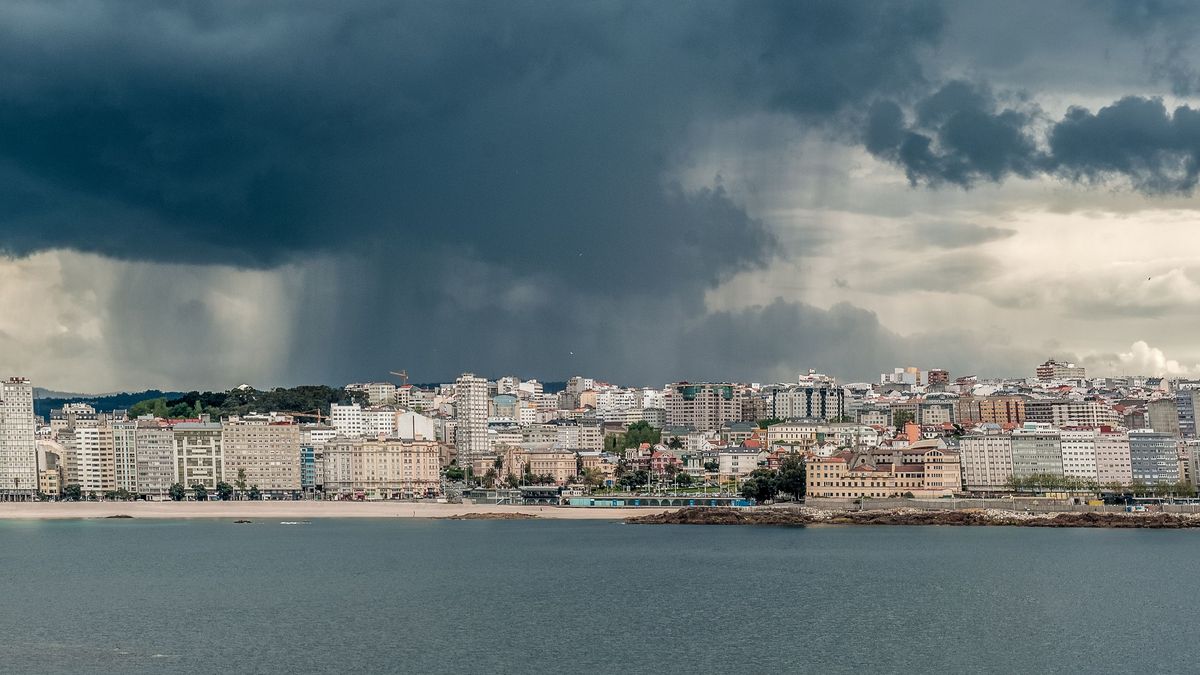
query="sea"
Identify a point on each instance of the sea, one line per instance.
(558, 596)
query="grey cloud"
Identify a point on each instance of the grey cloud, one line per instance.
(958, 235)
(784, 338)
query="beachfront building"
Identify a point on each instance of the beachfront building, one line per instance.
(88, 459)
(381, 468)
(1079, 453)
(199, 454)
(1036, 450)
(262, 453)
(154, 448)
(1113, 463)
(18, 446)
(987, 461)
(1153, 457)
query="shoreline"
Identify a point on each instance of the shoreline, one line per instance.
(306, 510)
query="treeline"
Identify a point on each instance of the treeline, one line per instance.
(122, 401)
(304, 398)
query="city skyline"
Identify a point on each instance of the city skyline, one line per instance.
(653, 191)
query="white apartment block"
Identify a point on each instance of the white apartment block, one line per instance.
(347, 420)
(124, 436)
(379, 422)
(1079, 453)
(89, 461)
(18, 446)
(471, 413)
(154, 447)
(987, 462)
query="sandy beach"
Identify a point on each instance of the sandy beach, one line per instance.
(299, 510)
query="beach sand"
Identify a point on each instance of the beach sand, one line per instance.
(299, 510)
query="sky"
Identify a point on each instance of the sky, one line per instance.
(195, 195)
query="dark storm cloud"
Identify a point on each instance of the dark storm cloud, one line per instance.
(530, 141)
(962, 135)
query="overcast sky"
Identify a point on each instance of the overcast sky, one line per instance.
(200, 194)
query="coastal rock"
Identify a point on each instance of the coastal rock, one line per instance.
(966, 517)
(492, 516)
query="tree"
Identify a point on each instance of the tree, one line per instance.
(511, 481)
(241, 478)
(489, 478)
(224, 491)
(641, 432)
(768, 421)
(761, 485)
(633, 479)
(255, 493)
(792, 476)
(199, 492)
(592, 477)
(684, 479)
(902, 417)
(455, 473)
(176, 492)
(72, 492)
(712, 466)
(675, 443)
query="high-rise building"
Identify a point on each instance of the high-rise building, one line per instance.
(810, 399)
(124, 435)
(1036, 450)
(1187, 402)
(1112, 457)
(471, 415)
(702, 406)
(199, 454)
(154, 446)
(1079, 453)
(987, 459)
(937, 377)
(1153, 457)
(18, 446)
(89, 460)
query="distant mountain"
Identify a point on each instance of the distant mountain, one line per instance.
(44, 401)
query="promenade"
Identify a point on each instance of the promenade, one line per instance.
(298, 510)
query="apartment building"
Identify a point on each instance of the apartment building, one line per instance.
(262, 453)
(154, 449)
(987, 459)
(89, 459)
(18, 447)
(702, 406)
(199, 454)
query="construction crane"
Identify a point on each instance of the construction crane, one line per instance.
(312, 414)
(403, 375)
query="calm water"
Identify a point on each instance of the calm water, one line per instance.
(594, 597)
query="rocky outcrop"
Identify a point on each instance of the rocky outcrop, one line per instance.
(493, 516)
(977, 517)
